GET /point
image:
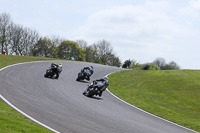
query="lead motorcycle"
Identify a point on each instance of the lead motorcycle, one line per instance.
(91, 90)
(51, 72)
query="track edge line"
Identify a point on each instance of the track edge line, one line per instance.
(146, 111)
(11, 105)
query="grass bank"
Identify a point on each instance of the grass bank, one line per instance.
(173, 95)
(10, 120)
(170, 94)
(6, 60)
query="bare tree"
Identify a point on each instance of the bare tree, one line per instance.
(104, 50)
(89, 54)
(32, 40)
(21, 40)
(28, 39)
(15, 38)
(160, 62)
(82, 44)
(171, 66)
(56, 40)
(5, 21)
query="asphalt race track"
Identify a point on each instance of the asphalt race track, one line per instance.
(60, 104)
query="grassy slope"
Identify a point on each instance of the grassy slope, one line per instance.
(6, 60)
(11, 120)
(173, 95)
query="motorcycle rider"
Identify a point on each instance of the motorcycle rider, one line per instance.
(146, 67)
(103, 85)
(88, 71)
(126, 64)
(58, 69)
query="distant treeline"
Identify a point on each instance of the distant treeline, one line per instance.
(157, 64)
(16, 39)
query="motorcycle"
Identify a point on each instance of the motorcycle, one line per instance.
(51, 72)
(91, 90)
(83, 74)
(124, 65)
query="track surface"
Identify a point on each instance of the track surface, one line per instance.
(60, 104)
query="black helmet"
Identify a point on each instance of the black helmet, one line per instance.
(91, 67)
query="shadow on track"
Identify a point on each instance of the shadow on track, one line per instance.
(52, 78)
(96, 98)
(83, 81)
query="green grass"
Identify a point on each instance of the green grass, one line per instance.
(6, 60)
(171, 94)
(13, 122)
(10, 120)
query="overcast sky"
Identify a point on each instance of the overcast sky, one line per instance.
(142, 30)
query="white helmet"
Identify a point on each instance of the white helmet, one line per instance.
(105, 78)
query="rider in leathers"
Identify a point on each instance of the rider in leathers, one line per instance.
(88, 71)
(103, 85)
(59, 69)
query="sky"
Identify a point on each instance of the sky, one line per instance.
(142, 30)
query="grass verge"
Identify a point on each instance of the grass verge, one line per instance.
(10, 120)
(6, 60)
(13, 122)
(170, 94)
(173, 95)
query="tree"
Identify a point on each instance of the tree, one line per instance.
(89, 52)
(28, 39)
(44, 48)
(82, 44)
(151, 66)
(32, 39)
(71, 51)
(22, 40)
(95, 54)
(15, 38)
(135, 65)
(113, 61)
(102, 51)
(160, 62)
(5, 21)
(171, 66)
(56, 41)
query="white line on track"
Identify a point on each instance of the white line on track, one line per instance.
(36, 121)
(11, 105)
(148, 112)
